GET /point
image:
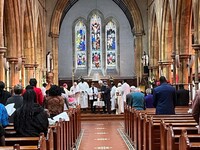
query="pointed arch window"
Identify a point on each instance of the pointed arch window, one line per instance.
(111, 44)
(80, 45)
(96, 48)
(95, 41)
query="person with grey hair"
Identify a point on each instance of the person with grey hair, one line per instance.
(138, 99)
(149, 98)
(17, 99)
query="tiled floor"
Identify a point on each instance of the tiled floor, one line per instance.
(103, 135)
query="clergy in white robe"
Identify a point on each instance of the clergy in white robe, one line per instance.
(84, 87)
(75, 92)
(125, 88)
(112, 95)
(119, 101)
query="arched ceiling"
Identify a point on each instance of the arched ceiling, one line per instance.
(120, 3)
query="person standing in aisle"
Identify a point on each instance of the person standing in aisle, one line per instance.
(164, 98)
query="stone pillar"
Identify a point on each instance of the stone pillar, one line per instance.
(14, 73)
(1, 22)
(197, 49)
(183, 69)
(23, 72)
(29, 73)
(55, 57)
(138, 56)
(166, 69)
(2, 48)
(174, 67)
(2, 70)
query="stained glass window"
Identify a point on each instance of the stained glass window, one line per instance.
(111, 46)
(80, 45)
(96, 44)
(95, 37)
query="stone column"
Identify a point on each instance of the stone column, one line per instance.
(29, 73)
(183, 70)
(55, 57)
(1, 22)
(174, 67)
(166, 69)
(138, 56)
(197, 49)
(2, 70)
(2, 48)
(14, 73)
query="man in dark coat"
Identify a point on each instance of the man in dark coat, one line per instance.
(182, 96)
(164, 98)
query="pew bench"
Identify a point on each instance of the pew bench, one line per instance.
(173, 135)
(155, 132)
(144, 138)
(189, 141)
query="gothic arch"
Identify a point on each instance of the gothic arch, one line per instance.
(138, 31)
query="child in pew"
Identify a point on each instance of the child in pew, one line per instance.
(31, 119)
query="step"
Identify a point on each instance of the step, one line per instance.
(95, 117)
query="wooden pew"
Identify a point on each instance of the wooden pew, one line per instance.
(143, 127)
(27, 143)
(49, 139)
(10, 131)
(164, 128)
(173, 135)
(189, 141)
(10, 141)
(154, 131)
(18, 147)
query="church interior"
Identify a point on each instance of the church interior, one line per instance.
(41, 39)
(61, 41)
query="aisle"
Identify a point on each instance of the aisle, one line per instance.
(103, 135)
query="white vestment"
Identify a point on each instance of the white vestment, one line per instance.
(75, 92)
(112, 95)
(84, 87)
(118, 96)
(125, 90)
(91, 94)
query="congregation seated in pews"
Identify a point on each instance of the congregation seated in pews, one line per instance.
(31, 129)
